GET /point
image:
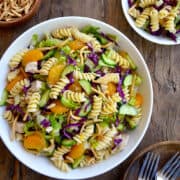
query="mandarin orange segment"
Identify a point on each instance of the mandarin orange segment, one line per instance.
(76, 87)
(35, 141)
(76, 151)
(31, 56)
(111, 89)
(59, 108)
(54, 73)
(139, 99)
(76, 45)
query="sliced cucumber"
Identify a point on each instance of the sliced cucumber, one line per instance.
(86, 86)
(77, 162)
(131, 62)
(44, 98)
(68, 142)
(132, 124)
(66, 49)
(4, 97)
(132, 101)
(108, 61)
(104, 124)
(128, 80)
(85, 109)
(128, 110)
(101, 63)
(138, 80)
(49, 54)
(68, 103)
(67, 70)
(121, 127)
(60, 57)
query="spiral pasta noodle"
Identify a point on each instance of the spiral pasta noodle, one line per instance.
(47, 66)
(60, 164)
(12, 74)
(107, 139)
(145, 3)
(74, 96)
(62, 33)
(109, 107)
(154, 20)
(86, 76)
(96, 109)
(142, 18)
(18, 87)
(121, 61)
(58, 87)
(110, 77)
(133, 12)
(126, 94)
(169, 23)
(33, 102)
(87, 161)
(16, 59)
(8, 115)
(85, 134)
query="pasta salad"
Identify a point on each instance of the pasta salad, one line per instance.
(72, 96)
(158, 17)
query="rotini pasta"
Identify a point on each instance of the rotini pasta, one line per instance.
(74, 96)
(107, 139)
(47, 66)
(146, 3)
(12, 74)
(143, 17)
(33, 102)
(86, 76)
(85, 134)
(96, 109)
(58, 87)
(154, 20)
(110, 77)
(62, 33)
(119, 59)
(18, 87)
(16, 59)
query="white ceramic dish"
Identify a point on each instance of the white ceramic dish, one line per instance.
(155, 39)
(42, 164)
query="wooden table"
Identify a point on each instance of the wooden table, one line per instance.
(163, 63)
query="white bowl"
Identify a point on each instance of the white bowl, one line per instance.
(42, 164)
(162, 40)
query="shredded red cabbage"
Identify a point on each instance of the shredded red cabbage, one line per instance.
(171, 2)
(120, 91)
(130, 2)
(93, 57)
(15, 108)
(100, 72)
(70, 60)
(117, 141)
(172, 36)
(117, 121)
(71, 79)
(89, 45)
(86, 68)
(45, 123)
(107, 37)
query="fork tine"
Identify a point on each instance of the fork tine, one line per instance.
(173, 168)
(144, 165)
(163, 170)
(176, 174)
(153, 165)
(148, 166)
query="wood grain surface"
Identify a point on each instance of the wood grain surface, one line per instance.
(163, 63)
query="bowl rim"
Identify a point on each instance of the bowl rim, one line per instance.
(106, 169)
(32, 11)
(142, 33)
